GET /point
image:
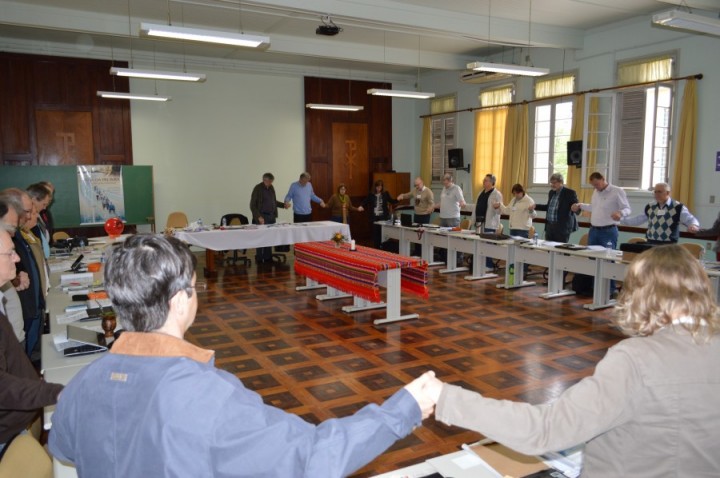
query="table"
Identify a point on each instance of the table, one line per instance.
(360, 273)
(409, 235)
(254, 236)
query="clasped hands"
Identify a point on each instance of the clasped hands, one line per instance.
(426, 391)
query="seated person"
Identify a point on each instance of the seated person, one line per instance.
(156, 405)
(650, 409)
(22, 391)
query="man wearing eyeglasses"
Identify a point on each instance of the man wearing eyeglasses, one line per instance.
(664, 216)
(157, 406)
(560, 221)
(31, 297)
(22, 392)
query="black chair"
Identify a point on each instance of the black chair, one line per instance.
(235, 219)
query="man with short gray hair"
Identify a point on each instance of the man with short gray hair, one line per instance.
(300, 195)
(560, 221)
(664, 216)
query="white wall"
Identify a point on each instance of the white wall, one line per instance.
(212, 143)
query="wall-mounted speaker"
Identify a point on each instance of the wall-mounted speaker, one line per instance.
(455, 158)
(574, 153)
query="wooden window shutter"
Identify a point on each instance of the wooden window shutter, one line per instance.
(631, 139)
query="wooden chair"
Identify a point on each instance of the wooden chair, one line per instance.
(584, 239)
(176, 220)
(695, 249)
(465, 224)
(59, 235)
(25, 457)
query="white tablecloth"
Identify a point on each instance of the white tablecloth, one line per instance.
(250, 237)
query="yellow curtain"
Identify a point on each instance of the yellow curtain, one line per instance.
(560, 85)
(489, 145)
(515, 150)
(640, 71)
(442, 104)
(684, 168)
(574, 179)
(426, 151)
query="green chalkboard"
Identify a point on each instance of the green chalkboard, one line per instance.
(137, 189)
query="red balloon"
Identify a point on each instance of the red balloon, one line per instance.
(114, 226)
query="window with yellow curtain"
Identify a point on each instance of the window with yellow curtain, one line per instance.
(645, 113)
(442, 133)
(552, 127)
(490, 134)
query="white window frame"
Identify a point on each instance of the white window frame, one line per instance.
(444, 142)
(553, 103)
(610, 149)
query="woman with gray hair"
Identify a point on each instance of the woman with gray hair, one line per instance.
(650, 409)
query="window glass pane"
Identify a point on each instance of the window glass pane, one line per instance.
(542, 113)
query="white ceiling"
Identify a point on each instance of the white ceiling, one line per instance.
(397, 37)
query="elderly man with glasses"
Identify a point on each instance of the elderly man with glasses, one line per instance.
(664, 216)
(560, 221)
(22, 392)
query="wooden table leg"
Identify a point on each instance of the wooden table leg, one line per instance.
(210, 263)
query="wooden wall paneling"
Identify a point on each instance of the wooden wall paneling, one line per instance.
(380, 131)
(64, 138)
(16, 105)
(44, 83)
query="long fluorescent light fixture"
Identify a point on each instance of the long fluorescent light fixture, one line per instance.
(418, 95)
(507, 68)
(132, 96)
(687, 21)
(157, 75)
(208, 36)
(319, 106)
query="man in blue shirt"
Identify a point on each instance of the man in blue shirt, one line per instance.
(157, 406)
(300, 195)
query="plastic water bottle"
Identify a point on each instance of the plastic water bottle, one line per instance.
(511, 273)
(535, 239)
(609, 249)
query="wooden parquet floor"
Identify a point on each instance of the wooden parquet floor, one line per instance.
(309, 358)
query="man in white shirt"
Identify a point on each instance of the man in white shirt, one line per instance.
(451, 202)
(608, 206)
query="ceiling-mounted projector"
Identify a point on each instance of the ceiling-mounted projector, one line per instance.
(328, 28)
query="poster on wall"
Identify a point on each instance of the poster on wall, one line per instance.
(101, 193)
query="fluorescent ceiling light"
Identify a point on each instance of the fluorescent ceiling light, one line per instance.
(420, 95)
(157, 75)
(132, 96)
(507, 68)
(318, 106)
(196, 34)
(687, 21)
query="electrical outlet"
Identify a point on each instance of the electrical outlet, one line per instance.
(712, 199)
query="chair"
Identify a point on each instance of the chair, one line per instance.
(24, 456)
(60, 235)
(634, 240)
(695, 249)
(584, 239)
(465, 224)
(531, 232)
(234, 219)
(176, 220)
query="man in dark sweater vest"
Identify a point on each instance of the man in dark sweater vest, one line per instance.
(664, 216)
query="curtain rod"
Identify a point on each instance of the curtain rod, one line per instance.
(698, 76)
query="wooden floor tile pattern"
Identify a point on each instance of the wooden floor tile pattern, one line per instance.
(311, 359)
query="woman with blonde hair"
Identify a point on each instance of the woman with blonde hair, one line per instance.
(650, 409)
